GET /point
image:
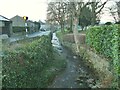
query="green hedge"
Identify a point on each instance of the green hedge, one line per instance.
(106, 41)
(20, 29)
(22, 67)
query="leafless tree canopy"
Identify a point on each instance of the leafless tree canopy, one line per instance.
(118, 9)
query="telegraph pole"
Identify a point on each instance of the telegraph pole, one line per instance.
(26, 18)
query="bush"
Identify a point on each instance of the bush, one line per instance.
(108, 23)
(20, 29)
(117, 22)
(22, 67)
(106, 40)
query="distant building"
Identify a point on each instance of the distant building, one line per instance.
(18, 21)
(37, 26)
(5, 26)
(19, 25)
(43, 25)
(31, 26)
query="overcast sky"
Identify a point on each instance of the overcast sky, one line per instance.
(34, 9)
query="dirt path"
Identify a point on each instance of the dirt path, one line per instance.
(76, 74)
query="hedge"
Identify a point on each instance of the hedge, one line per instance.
(105, 40)
(22, 67)
(20, 29)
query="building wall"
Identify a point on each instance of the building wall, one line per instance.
(1, 24)
(18, 21)
(19, 25)
(6, 27)
(31, 26)
(37, 26)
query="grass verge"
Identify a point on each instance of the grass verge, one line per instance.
(31, 63)
(55, 67)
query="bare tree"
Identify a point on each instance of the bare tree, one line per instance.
(97, 6)
(118, 9)
(56, 13)
(59, 10)
(76, 8)
(72, 8)
(112, 10)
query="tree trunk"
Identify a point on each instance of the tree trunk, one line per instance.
(71, 23)
(93, 14)
(62, 28)
(75, 33)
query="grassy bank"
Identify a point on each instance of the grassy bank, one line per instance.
(104, 40)
(54, 68)
(30, 63)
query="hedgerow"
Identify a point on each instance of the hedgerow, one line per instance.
(105, 40)
(22, 66)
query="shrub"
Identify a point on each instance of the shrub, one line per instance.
(22, 67)
(117, 22)
(106, 40)
(19, 29)
(108, 23)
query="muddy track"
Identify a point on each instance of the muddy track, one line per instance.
(76, 74)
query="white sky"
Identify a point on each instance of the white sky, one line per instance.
(34, 9)
(106, 16)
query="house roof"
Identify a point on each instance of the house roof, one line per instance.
(41, 22)
(17, 16)
(2, 18)
(30, 21)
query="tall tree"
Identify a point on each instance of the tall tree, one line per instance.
(69, 16)
(56, 13)
(76, 8)
(112, 10)
(118, 9)
(85, 18)
(96, 7)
